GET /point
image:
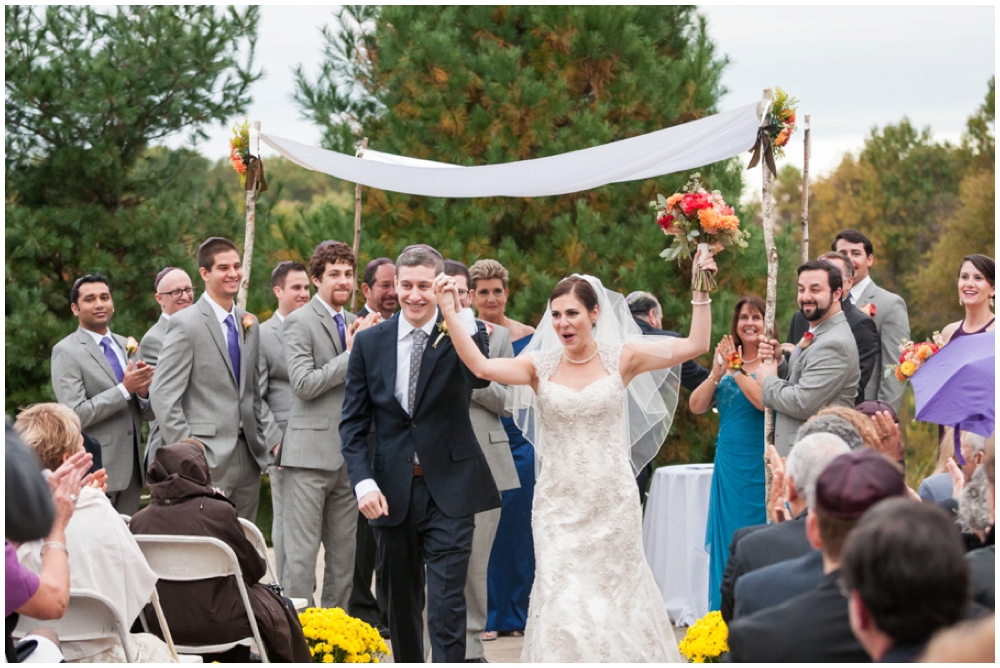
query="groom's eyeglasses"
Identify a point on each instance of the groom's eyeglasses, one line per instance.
(176, 294)
(463, 293)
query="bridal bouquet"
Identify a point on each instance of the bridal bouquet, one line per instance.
(706, 640)
(912, 357)
(336, 637)
(698, 220)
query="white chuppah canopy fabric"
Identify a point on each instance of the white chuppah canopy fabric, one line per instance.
(675, 149)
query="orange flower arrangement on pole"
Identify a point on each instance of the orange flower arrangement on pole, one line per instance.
(239, 149)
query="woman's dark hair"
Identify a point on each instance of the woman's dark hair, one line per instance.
(755, 303)
(982, 263)
(579, 288)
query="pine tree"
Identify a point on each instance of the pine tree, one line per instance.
(485, 85)
(88, 93)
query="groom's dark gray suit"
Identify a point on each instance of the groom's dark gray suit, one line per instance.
(431, 507)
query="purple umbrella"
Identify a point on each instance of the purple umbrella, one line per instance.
(957, 386)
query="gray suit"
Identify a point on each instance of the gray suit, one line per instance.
(488, 405)
(83, 380)
(315, 482)
(149, 351)
(195, 395)
(824, 373)
(275, 400)
(893, 325)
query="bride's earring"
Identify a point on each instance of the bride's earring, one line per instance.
(992, 305)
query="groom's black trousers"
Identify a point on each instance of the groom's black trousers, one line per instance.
(443, 544)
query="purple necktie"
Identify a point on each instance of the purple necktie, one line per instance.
(234, 346)
(339, 319)
(109, 354)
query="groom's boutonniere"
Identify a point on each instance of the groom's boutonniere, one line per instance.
(807, 339)
(443, 328)
(248, 321)
(868, 310)
(131, 346)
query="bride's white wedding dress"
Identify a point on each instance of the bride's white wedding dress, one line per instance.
(594, 597)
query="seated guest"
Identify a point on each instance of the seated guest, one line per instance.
(765, 544)
(938, 487)
(906, 578)
(832, 424)
(103, 555)
(971, 641)
(44, 595)
(183, 502)
(814, 626)
(982, 562)
(974, 513)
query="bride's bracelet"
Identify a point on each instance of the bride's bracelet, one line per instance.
(704, 303)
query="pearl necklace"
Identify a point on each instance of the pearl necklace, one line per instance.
(573, 361)
(753, 360)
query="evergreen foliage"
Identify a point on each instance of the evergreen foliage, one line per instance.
(88, 92)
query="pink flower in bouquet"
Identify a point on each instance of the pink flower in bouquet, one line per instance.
(695, 202)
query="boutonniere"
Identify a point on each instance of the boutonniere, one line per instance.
(248, 321)
(489, 328)
(443, 328)
(131, 346)
(868, 310)
(807, 339)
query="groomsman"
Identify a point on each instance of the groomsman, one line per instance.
(887, 309)
(290, 284)
(488, 405)
(379, 288)
(318, 501)
(206, 386)
(862, 326)
(823, 368)
(93, 374)
(174, 293)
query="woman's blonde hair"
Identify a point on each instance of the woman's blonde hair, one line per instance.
(861, 422)
(946, 448)
(483, 270)
(51, 430)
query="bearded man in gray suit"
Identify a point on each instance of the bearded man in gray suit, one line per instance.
(823, 369)
(174, 292)
(318, 502)
(290, 284)
(488, 405)
(206, 386)
(887, 309)
(93, 374)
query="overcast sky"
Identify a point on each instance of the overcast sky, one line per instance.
(852, 68)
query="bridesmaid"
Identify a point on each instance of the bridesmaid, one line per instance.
(976, 291)
(737, 498)
(512, 562)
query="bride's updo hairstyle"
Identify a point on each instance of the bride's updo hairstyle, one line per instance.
(579, 288)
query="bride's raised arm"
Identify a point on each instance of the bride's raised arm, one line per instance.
(507, 371)
(640, 357)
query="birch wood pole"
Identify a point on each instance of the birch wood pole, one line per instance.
(357, 230)
(805, 193)
(241, 298)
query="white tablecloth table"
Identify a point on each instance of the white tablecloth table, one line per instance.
(673, 536)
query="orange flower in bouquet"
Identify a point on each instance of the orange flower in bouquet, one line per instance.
(698, 219)
(912, 356)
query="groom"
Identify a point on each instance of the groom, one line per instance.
(427, 477)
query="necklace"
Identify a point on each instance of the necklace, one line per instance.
(753, 360)
(573, 361)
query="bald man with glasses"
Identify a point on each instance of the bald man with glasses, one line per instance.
(174, 292)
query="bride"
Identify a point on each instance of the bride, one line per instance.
(596, 399)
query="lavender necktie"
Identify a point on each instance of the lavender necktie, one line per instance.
(109, 354)
(234, 346)
(339, 319)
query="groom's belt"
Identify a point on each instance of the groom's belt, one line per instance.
(417, 471)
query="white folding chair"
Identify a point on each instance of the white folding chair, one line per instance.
(89, 616)
(191, 558)
(254, 535)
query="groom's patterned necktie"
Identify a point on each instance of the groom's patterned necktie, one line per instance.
(416, 355)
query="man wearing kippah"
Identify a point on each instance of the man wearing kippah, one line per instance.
(174, 292)
(814, 626)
